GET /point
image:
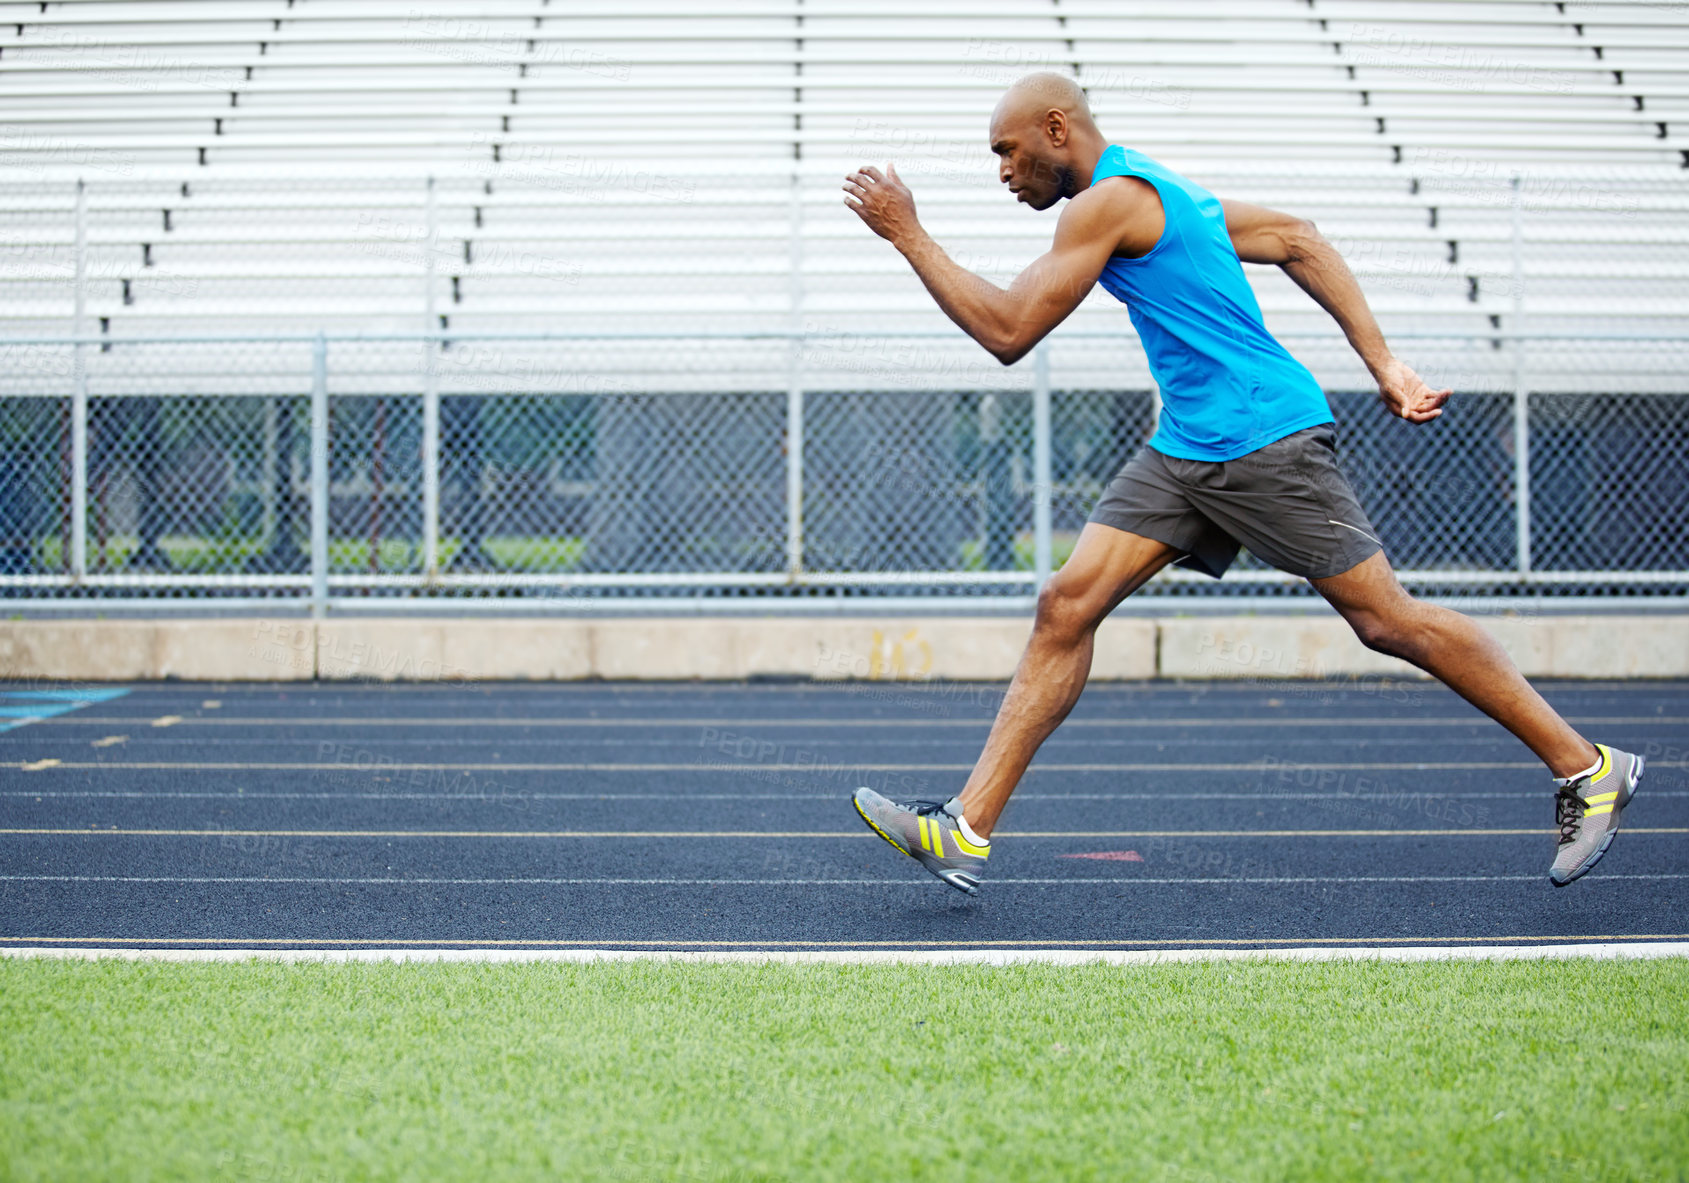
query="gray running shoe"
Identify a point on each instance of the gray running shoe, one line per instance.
(926, 831)
(1587, 812)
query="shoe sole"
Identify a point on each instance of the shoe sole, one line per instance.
(875, 826)
(960, 880)
(1612, 831)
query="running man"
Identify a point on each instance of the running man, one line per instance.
(1244, 454)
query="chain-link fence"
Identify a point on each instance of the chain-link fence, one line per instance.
(769, 471)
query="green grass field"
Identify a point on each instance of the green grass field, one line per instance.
(645, 1071)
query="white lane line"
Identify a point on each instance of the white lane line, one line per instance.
(666, 943)
(907, 881)
(812, 835)
(463, 723)
(239, 795)
(1358, 685)
(740, 835)
(747, 741)
(1003, 954)
(815, 767)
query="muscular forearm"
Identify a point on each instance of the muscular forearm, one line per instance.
(1008, 323)
(978, 306)
(1320, 271)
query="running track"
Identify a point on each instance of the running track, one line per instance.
(716, 817)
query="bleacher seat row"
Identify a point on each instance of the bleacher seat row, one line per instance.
(268, 166)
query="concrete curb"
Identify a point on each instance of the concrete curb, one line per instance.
(1267, 648)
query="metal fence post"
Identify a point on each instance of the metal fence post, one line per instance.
(794, 386)
(794, 473)
(430, 400)
(319, 477)
(1042, 559)
(1521, 391)
(78, 540)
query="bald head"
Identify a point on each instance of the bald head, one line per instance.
(1046, 142)
(1036, 94)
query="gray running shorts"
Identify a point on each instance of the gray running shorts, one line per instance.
(1288, 503)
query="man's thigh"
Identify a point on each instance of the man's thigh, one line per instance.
(1149, 499)
(1368, 589)
(1108, 565)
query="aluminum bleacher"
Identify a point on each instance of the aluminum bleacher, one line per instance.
(253, 166)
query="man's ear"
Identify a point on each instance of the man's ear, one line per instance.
(1055, 126)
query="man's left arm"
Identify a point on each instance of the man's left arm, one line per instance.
(1261, 235)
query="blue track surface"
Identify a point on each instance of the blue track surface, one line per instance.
(716, 816)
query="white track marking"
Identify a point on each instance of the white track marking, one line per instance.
(1446, 832)
(907, 881)
(445, 736)
(815, 767)
(1602, 949)
(765, 686)
(471, 722)
(143, 794)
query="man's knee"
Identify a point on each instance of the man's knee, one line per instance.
(1394, 628)
(1066, 612)
(1376, 632)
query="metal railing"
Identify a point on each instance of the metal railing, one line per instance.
(770, 471)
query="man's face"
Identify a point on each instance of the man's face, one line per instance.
(1028, 163)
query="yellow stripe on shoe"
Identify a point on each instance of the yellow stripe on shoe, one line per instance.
(968, 847)
(1601, 798)
(1606, 762)
(1608, 808)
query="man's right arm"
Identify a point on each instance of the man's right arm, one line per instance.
(1008, 323)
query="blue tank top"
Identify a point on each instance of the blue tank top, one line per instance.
(1227, 386)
